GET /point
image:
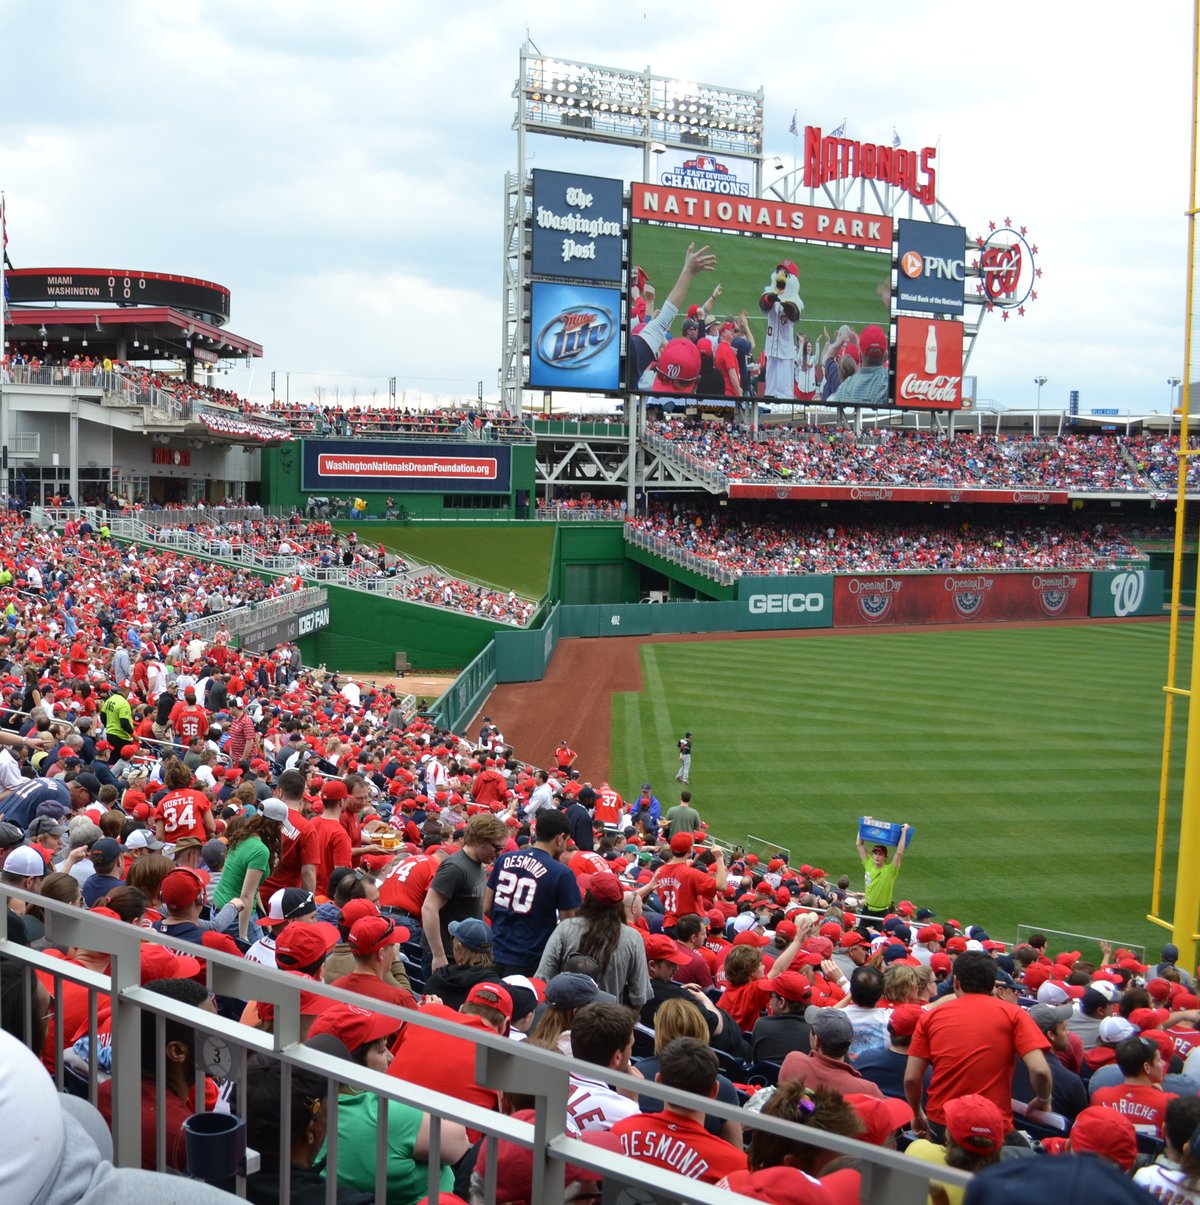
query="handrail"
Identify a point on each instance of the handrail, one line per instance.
(501, 1064)
(678, 556)
(693, 464)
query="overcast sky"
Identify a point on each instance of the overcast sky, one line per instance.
(340, 168)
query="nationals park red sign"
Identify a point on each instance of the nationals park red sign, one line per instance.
(896, 598)
(891, 493)
(745, 215)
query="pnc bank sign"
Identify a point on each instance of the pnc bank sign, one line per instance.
(932, 262)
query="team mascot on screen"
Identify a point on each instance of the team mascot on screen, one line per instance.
(781, 303)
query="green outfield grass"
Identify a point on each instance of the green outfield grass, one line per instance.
(1027, 759)
(837, 285)
(514, 557)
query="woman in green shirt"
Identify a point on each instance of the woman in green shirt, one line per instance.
(366, 1035)
(253, 853)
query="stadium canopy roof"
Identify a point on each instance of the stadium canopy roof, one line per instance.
(136, 333)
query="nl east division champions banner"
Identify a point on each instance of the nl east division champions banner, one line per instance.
(456, 468)
(574, 338)
(897, 598)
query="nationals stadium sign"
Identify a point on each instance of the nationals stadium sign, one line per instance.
(896, 598)
(419, 467)
(828, 158)
(892, 493)
(743, 215)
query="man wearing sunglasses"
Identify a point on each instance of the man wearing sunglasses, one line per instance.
(458, 887)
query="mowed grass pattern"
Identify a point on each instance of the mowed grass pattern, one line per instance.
(516, 558)
(1027, 759)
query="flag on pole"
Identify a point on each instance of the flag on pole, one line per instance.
(895, 138)
(792, 128)
(840, 132)
(4, 230)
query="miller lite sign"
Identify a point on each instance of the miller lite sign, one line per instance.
(929, 363)
(574, 337)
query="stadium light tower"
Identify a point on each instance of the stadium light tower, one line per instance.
(1037, 421)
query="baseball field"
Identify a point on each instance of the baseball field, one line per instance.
(837, 285)
(1027, 760)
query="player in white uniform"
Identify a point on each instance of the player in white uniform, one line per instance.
(781, 303)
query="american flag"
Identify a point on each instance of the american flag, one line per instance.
(792, 127)
(840, 132)
(895, 137)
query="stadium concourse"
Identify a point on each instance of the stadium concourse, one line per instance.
(247, 806)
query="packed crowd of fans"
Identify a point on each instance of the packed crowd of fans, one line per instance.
(319, 553)
(748, 544)
(825, 456)
(304, 821)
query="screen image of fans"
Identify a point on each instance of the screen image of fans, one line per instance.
(797, 345)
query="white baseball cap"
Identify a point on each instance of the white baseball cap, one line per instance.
(143, 839)
(25, 862)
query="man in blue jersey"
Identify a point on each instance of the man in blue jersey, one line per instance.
(528, 892)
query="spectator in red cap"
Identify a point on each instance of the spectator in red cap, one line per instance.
(974, 1137)
(683, 887)
(372, 940)
(885, 1068)
(447, 1064)
(365, 1035)
(332, 839)
(183, 895)
(1105, 1132)
(783, 1029)
(869, 385)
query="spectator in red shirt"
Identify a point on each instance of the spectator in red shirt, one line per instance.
(1141, 1097)
(298, 848)
(972, 1039)
(182, 811)
(333, 842)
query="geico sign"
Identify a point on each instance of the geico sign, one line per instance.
(313, 620)
(786, 604)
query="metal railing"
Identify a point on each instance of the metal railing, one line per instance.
(501, 1065)
(559, 513)
(402, 584)
(679, 556)
(580, 428)
(685, 459)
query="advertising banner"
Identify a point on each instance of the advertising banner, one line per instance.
(932, 264)
(285, 629)
(745, 215)
(1127, 592)
(929, 364)
(357, 465)
(577, 226)
(884, 599)
(772, 603)
(575, 338)
(899, 493)
(707, 173)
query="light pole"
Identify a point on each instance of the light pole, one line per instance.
(1037, 422)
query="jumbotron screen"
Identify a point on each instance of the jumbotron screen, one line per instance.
(790, 348)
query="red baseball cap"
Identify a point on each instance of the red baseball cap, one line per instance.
(882, 1116)
(182, 887)
(303, 943)
(787, 984)
(492, 995)
(872, 338)
(975, 1123)
(903, 1022)
(356, 910)
(1104, 1131)
(353, 1026)
(160, 963)
(790, 1186)
(677, 369)
(682, 843)
(851, 939)
(660, 948)
(369, 935)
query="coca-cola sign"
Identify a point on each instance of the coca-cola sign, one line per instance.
(929, 355)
